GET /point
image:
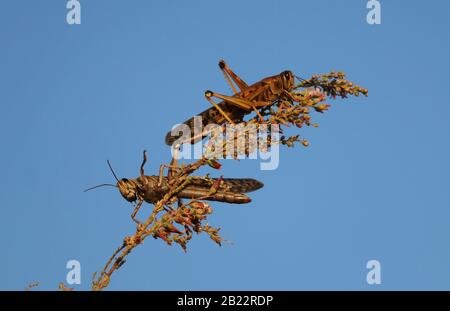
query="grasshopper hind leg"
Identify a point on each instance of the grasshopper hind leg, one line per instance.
(208, 95)
(229, 74)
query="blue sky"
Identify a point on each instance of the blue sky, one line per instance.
(372, 185)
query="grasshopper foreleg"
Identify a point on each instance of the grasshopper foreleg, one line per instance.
(136, 209)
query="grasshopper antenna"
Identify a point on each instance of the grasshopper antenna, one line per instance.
(300, 79)
(103, 185)
(98, 186)
(112, 171)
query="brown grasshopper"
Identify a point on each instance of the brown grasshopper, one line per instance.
(232, 109)
(151, 189)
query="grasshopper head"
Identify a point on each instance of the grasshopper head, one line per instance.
(128, 189)
(288, 80)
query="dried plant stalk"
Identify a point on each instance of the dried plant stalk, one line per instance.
(174, 222)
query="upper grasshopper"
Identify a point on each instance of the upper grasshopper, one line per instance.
(232, 109)
(152, 188)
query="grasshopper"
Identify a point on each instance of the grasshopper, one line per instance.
(151, 189)
(233, 109)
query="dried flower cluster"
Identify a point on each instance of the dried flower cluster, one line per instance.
(291, 110)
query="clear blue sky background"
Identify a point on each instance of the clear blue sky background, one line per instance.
(374, 183)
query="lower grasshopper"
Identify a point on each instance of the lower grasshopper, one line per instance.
(233, 109)
(151, 189)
